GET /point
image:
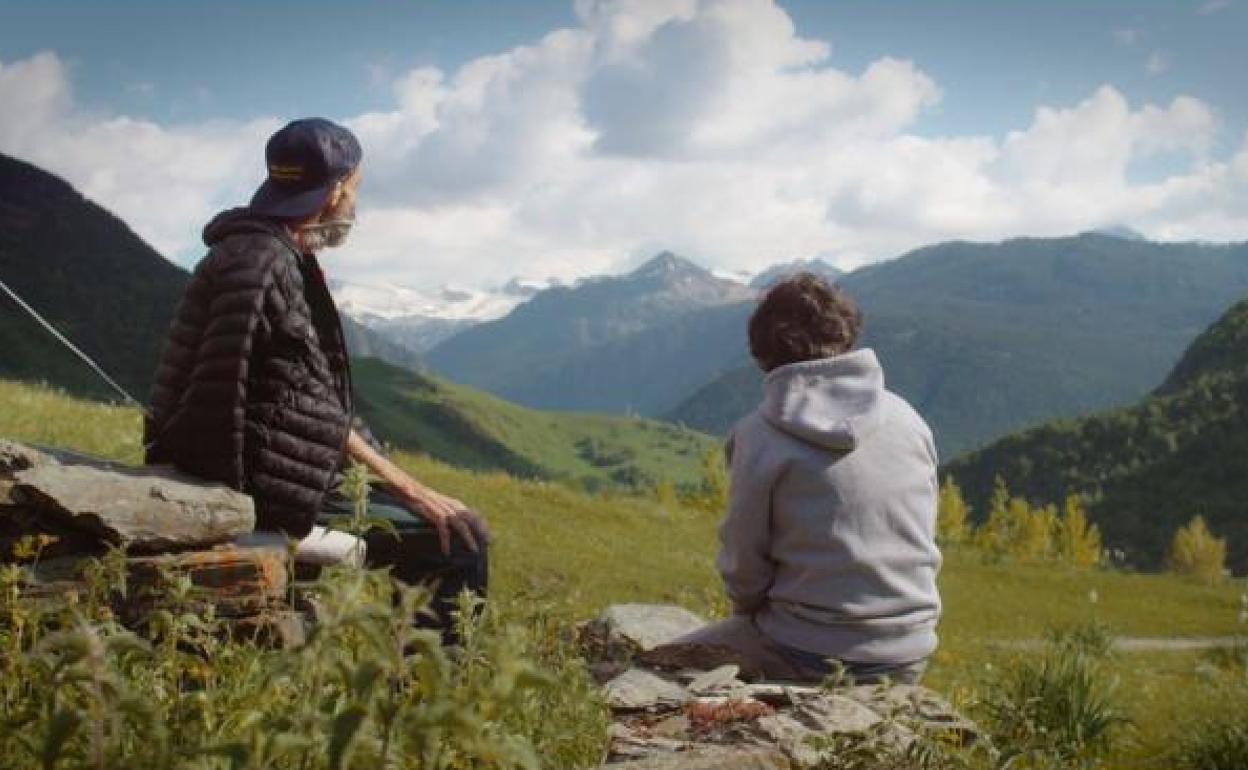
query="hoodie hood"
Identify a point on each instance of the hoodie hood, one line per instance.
(244, 220)
(830, 402)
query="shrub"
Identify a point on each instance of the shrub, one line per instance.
(1220, 743)
(1195, 551)
(1057, 709)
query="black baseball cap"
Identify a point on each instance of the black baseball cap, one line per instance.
(306, 158)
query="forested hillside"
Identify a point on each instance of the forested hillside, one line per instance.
(1149, 468)
(988, 338)
(92, 278)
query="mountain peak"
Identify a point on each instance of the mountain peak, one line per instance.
(775, 273)
(1119, 231)
(667, 264)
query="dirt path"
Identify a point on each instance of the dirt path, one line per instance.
(1175, 643)
(1152, 643)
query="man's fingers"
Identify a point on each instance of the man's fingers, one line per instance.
(479, 525)
(444, 533)
(465, 531)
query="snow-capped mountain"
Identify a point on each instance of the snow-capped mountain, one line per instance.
(419, 320)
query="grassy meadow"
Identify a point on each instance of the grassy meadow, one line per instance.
(470, 428)
(564, 552)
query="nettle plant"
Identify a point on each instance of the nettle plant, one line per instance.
(365, 688)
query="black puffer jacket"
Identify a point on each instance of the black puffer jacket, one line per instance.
(254, 387)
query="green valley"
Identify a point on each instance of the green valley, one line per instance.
(472, 429)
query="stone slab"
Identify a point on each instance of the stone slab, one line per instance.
(142, 508)
(623, 630)
(638, 689)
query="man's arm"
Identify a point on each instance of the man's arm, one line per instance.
(445, 513)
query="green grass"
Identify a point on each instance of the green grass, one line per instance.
(473, 429)
(573, 553)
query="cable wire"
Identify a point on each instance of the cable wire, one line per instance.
(85, 358)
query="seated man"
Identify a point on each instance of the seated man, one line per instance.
(254, 385)
(828, 547)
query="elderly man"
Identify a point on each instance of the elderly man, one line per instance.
(254, 386)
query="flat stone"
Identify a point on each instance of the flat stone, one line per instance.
(836, 714)
(624, 630)
(918, 706)
(790, 737)
(143, 508)
(712, 758)
(780, 694)
(638, 689)
(19, 457)
(675, 727)
(719, 679)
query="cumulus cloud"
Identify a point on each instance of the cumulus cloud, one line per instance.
(164, 181)
(710, 127)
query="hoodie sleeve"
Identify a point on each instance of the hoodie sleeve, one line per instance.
(745, 534)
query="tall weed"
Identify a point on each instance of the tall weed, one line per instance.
(366, 688)
(1058, 708)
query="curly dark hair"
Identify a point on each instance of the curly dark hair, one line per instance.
(802, 318)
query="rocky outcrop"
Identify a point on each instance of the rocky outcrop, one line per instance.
(61, 513)
(144, 509)
(670, 712)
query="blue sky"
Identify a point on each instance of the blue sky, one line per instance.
(503, 149)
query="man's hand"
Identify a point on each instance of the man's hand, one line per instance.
(446, 514)
(443, 512)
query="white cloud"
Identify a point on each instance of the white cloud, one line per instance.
(710, 127)
(1213, 6)
(1158, 63)
(165, 181)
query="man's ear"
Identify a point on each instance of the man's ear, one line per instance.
(335, 194)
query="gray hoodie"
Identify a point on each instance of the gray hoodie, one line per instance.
(829, 540)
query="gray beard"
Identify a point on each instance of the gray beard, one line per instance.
(323, 235)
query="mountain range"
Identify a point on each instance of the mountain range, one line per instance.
(419, 320)
(981, 338)
(1146, 469)
(569, 346)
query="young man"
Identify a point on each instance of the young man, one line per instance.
(254, 386)
(828, 548)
